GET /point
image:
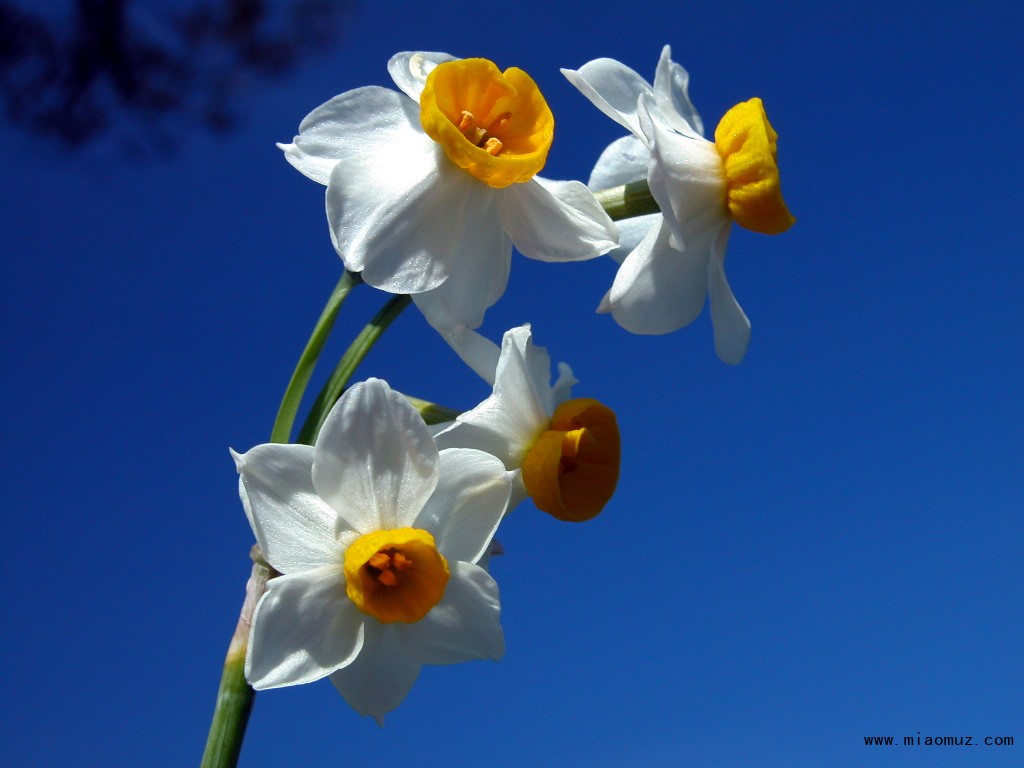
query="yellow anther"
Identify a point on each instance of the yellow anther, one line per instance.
(500, 121)
(379, 560)
(492, 146)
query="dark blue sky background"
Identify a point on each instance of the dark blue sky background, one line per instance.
(821, 544)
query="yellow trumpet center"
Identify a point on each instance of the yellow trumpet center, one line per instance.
(746, 142)
(495, 125)
(571, 470)
(395, 575)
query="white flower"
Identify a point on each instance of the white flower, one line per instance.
(377, 536)
(428, 189)
(564, 453)
(672, 260)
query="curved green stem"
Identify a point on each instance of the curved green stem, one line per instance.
(282, 430)
(346, 367)
(627, 201)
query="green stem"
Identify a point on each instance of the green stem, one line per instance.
(235, 697)
(282, 430)
(347, 365)
(627, 201)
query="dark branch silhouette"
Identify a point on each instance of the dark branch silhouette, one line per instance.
(112, 70)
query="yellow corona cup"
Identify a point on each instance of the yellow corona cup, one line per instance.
(395, 575)
(746, 142)
(571, 470)
(495, 125)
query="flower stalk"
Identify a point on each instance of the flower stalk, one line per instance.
(627, 201)
(282, 430)
(353, 356)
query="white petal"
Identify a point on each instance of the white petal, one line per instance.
(465, 625)
(732, 328)
(659, 289)
(345, 126)
(295, 528)
(304, 628)
(519, 495)
(671, 93)
(487, 428)
(519, 341)
(632, 232)
(316, 167)
(477, 351)
(467, 505)
(409, 70)
(522, 378)
(623, 161)
(381, 676)
(561, 390)
(479, 275)
(385, 214)
(375, 461)
(556, 220)
(686, 179)
(519, 408)
(612, 87)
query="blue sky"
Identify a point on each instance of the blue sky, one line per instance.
(821, 544)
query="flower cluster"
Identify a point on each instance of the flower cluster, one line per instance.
(379, 533)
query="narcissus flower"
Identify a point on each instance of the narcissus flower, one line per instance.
(564, 453)
(429, 189)
(672, 260)
(377, 535)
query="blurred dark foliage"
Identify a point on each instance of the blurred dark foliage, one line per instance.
(137, 74)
